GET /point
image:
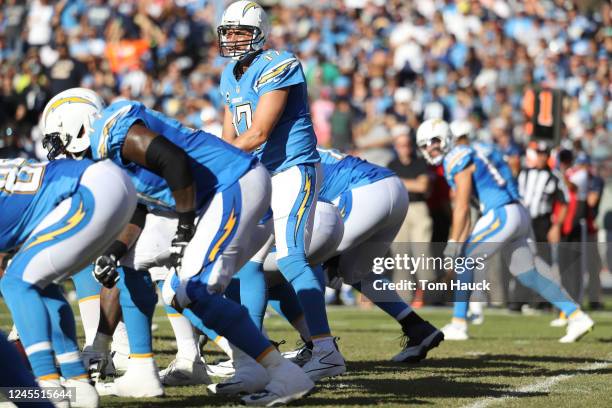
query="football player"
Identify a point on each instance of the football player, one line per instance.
(60, 215)
(505, 225)
(217, 206)
(267, 113)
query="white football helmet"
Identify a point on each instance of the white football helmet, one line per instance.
(245, 15)
(461, 128)
(67, 121)
(430, 131)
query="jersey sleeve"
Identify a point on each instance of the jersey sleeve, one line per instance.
(281, 72)
(115, 129)
(455, 162)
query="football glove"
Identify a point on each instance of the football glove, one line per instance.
(184, 232)
(105, 270)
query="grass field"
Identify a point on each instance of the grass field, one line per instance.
(511, 361)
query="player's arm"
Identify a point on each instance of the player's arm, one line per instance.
(269, 110)
(159, 155)
(461, 210)
(228, 133)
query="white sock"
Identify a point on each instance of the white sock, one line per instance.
(225, 346)
(89, 308)
(121, 343)
(186, 341)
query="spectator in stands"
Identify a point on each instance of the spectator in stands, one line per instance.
(415, 233)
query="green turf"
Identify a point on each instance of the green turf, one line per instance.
(515, 360)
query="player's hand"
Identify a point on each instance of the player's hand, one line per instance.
(184, 232)
(452, 249)
(105, 270)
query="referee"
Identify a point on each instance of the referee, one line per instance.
(541, 190)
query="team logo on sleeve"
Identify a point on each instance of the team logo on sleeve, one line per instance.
(275, 72)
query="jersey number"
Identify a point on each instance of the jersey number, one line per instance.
(17, 177)
(245, 112)
(499, 179)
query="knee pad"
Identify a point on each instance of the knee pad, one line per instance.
(136, 289)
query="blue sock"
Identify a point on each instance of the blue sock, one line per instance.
(230, 320)
(387, 300)
(138, 299)
(195, 320)
(462, 297)
(549, 290)
(13, 372)
(283, 299)
(85, 284)
(253, 291)
(63, 332)
(306, 284)
(33, 324)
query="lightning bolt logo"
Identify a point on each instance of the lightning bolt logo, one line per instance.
(248, 7)
(300, 213)
(70, 224)
(227, 229)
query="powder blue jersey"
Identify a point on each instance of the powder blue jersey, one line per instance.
(215, 164)
(29, 191)
(342, 172)
(488, 185)
(496, 157)
(293, 139)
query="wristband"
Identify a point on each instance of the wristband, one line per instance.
(186, 218)
(118, 249)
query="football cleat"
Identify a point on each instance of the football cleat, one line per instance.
(64, 402)
(455, 331)
(182, 371)
(476, 313)
(578, 324)
(221, 369)
(98, 364)
(560, 321)
(141, 380)
(287, 383)
(326, 361)
(249, 377)
(85, 394)
(416, 348)
(299, 356)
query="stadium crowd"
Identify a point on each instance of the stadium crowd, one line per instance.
(375, 69)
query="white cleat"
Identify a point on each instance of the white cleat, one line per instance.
(578, 325)
(455, 331)
(560, 321)
(55, 384)
(85, 394)
(182, 371)
(223, 369)
(98, 364)
(287, 383)
(141, 380)
(476, 313)
(250, 376)
(326, 361)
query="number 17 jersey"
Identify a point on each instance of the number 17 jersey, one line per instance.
(488, 185)
(292, 141)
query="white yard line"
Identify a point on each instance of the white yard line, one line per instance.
(542, 386)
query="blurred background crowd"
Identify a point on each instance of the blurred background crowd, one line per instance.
(375, 70)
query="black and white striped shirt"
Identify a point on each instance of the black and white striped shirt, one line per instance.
(540, 189)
